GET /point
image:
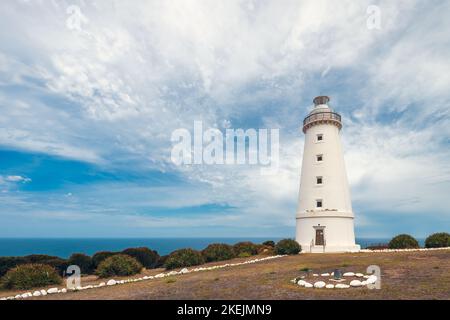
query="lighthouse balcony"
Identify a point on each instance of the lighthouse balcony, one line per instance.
(324, 213)
(322, 118)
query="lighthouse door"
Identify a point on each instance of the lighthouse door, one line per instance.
(319, 237)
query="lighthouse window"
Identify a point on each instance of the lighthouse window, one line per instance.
(318, 203)
(319, 157)
(320, 137)
(319, 180)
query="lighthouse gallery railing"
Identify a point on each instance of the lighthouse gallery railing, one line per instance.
(322, 116)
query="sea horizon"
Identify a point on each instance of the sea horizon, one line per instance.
(64, 247)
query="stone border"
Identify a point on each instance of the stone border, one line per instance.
(369, 279)
(113, 282)
(403, 250)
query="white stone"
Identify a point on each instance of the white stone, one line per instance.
(37, 294)
(63, 290)
(315, 275)
(359, 275)
(52, 290)
(349, 274)
(111, 282)
(160, 275)
(355, 283)
(102, 284)
(301, 283)
(18, 296)
(319, 284)
(43, 292)
(308, 285)
(329, 286)
(342, 286)
(326, 274)
(24, 296)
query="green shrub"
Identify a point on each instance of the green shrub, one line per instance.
(183, 258)
(438, 240)
(118, 265)
(59, 264)
(98, 257)
(403, 241)
(7, 263)
(83, 261)
(218, 252)
(245, 247)
(148, 258)
(269, 243)
(244, 255)
(287, 246)
(161, 261)
(27, 276)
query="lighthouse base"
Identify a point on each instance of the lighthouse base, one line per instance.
(330, 249)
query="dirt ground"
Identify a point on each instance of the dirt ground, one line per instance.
(405, 275)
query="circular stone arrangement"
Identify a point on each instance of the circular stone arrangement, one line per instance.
(356, 280)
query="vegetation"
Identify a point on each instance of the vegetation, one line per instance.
(83, 261)
(27, 276)
(287, 246)
(183, 258)
(269, 243)
(438, 240)
(403, 241)
(148, 258)
(118, 265)
(218, 252)
(7, 263)
(98, 257)
(245, 249)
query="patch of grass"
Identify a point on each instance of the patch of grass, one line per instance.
(171, 280)
(345, 265)
(306, 269)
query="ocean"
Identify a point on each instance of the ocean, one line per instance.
(65, 247)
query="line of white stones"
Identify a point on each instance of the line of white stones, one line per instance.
(369, 279)
(113, 282)
(404, 250)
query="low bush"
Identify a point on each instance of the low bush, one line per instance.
(245, 248)
(379, 246)
(148, 258)
(183, 258)
(58, 263)
(438, 240)
(269, 243)
(287, 246)
(403, 241)
(83, 261)
(27, 276)
(7, 263)
(98, 257)
(118, 265)
(218, 252)
(161, 261)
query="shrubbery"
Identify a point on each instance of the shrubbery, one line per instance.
(148, 258)
(403, 241)
(161, 261)
(245, 249)
(118, 265)
(59, 264)
(7, 263)
(218, 252)
(83, 261)
(269, 243)
(28, 276)
(183, 258)
(287, 246)
(438, 240)
(98, 257)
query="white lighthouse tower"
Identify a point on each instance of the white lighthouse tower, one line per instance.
(324, 214)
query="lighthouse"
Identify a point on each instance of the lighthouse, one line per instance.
(324, 214)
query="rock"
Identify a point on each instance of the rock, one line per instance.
(52, 290)
(102, 284)
(366, 277)
(349, 274)
(364, 283)
(172, 273)
(315, 275)
(326, 274)
(111, 282)
(63, 290)
(184, 270)
(308, 285)
(301, 283)
(355, 283)
(342, 286)
(359, 275)
(37, 294)
(24, 296)
(146, 278)
(160, 275)
(18, 296)
(319, 284)
(43, 292)
(329, 286)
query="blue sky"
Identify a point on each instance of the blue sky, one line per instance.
(86, 114)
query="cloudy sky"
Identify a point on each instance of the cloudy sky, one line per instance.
(91, 91)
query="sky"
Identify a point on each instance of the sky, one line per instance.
(91, 91)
